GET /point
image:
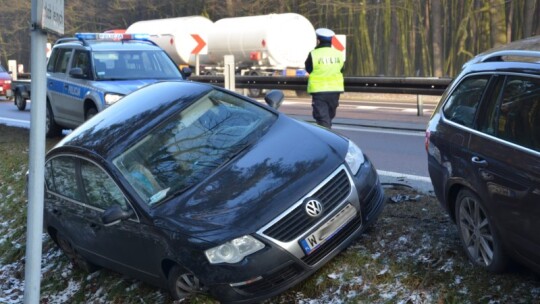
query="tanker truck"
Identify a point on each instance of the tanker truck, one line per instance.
(274, 44)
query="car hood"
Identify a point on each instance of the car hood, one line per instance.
(123, 87)
(285, 164)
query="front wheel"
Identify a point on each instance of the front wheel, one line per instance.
(20, 102)
(183, 283)
(477, 233)
(91, 112)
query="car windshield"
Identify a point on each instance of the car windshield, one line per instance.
(134, 64)
(188, 147)
(2, 69)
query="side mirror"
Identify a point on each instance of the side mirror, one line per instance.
(76, 73)
(274, 98)
(186, 71)
(114, 214)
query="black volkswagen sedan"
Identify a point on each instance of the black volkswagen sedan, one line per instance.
(197, 189)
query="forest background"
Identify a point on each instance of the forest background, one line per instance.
(384, 37)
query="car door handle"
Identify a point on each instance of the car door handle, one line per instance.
(95, 226)
(56, 212)
(477, 161)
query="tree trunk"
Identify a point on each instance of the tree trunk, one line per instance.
(436, 37)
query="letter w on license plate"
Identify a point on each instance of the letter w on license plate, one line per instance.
(328, 229)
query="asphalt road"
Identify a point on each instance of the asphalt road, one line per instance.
(386, 127)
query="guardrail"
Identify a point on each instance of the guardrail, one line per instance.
(398, 85)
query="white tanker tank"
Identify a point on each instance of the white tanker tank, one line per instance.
(265, 42)
(175, 35)
(272, 41)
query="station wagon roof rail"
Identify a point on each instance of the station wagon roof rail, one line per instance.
(498, 55)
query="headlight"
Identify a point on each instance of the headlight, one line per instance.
(112, 98)
(234, 251)
(354, 157)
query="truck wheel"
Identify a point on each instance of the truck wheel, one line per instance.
(52, 129)
(91, 112)
(20, 102)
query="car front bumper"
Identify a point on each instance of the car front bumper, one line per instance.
(284, 262)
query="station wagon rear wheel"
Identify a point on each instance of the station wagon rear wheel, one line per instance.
(183, 283)
(477, 233)
(75, 258)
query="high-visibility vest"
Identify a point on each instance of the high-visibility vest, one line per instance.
(326, 75)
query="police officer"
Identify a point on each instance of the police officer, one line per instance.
(325, 67)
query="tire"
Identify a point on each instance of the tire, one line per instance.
(478, 235)
(52, 129)
(183, 283)
(20, 102)
(74, 257)
(91, 112)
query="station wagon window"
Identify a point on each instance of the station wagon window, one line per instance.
(60, 177)
(462, 104)
(100, 189)
(514, 115)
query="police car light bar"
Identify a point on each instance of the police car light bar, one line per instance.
(111, 36)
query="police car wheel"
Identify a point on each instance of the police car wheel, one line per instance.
(91, 112)
(52, 129)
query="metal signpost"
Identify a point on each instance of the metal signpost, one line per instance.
(47, 16)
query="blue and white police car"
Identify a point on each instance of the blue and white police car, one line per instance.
(91, 71)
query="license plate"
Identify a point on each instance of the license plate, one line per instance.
(328, 230)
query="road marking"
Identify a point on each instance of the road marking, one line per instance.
(418, 178)
(383, 131)
(15, 122)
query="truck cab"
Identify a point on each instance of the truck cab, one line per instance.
(89, 72)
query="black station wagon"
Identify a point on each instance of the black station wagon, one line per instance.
(483, 144)
(197, 189)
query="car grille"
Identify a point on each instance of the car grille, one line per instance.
(297, 221)
(272, 281)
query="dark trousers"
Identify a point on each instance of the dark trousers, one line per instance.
(324, 107)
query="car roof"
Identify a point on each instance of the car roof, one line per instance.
(110, 131)
(105, 45)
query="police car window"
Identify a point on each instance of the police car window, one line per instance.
(462, 104)
(62, 61)
(100, 189)
(81, 60)
(516, 114)
(62, 177)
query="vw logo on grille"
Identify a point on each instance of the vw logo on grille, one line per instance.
(314, 208)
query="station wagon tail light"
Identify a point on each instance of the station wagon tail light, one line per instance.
(426, 140)
(234, 251)
(354, 157)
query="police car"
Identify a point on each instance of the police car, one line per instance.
(91, 71)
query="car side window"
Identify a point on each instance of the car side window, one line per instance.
(515, 115)
(59, 61)
(100, 189)
(462, 104)
(61, 177)
(81, 60)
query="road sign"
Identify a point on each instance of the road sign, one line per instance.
(201, 48)
(51, 16)
(339, 42)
